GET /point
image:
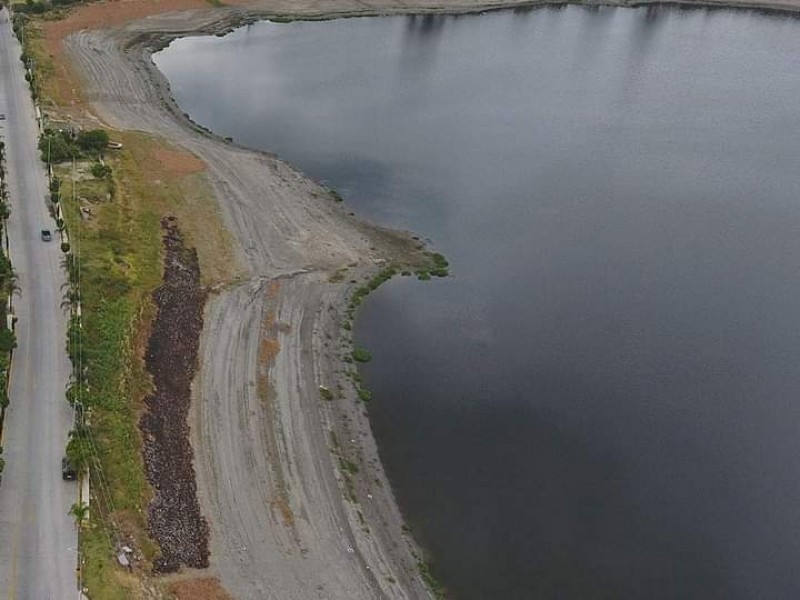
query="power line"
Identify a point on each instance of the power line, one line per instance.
(85, 437)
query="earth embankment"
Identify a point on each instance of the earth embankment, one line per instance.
(286, 520)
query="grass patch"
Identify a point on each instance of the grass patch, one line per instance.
(370, 286)
(120, 246)
(338, 276)
(441, 268)
(436, 588)
(335, 195)
(348, 466)
(119, 240)
(92, 190)
(120, 264)
(361, 355)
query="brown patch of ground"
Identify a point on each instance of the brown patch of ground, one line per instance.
(116, 12)
(175, 521)
(267, 352)
(206, 588)
(175, 181)
(177, 163)
(63, 85)
(157, 161)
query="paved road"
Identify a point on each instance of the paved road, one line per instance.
(37, 536)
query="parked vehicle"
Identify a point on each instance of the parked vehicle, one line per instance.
(68, 472)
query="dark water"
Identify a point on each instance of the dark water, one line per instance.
(604, 401)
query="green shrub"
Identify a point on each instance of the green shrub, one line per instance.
(8, 341)
(361, 355)
(92, 141)
(56, 147)
(434, 586)
(100, 171)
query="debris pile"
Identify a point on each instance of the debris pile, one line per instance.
(175, 521)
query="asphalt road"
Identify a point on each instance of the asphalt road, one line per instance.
(37, 535)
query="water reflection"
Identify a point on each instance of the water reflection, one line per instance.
(421, 39)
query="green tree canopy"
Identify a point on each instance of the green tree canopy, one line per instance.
(94, 140)
(55, 147)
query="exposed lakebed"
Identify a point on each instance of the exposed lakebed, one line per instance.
(603, 401)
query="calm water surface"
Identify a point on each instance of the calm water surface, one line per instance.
(604, 400)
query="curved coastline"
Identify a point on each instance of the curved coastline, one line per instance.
(289, 516)
(291, 240)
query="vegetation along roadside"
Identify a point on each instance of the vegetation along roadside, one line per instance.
(109, 198)
(8, 285)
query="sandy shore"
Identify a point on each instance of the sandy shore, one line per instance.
(289, 516)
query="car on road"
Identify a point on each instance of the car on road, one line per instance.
(2, 117)
(68, 472)
(47, 235)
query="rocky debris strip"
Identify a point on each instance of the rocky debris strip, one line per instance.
(175, 521)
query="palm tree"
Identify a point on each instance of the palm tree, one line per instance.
(80, 512)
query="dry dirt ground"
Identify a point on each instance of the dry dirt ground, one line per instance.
(287, 521)
(201, 588)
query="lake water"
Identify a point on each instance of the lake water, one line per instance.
(604, 399)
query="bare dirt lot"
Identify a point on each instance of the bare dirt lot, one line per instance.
(203, 588)
(290, 482)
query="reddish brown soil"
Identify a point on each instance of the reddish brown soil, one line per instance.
(175, 521)
(63, 85)
(207, 588)
(177, 163)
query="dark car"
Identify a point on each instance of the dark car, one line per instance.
(68, 472)
(46, 235)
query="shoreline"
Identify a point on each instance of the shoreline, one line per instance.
(288, 298)
(303, 446)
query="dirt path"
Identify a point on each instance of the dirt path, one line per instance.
(296, 499)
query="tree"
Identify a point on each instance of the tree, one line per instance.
(55, 148)
(8, 341)
(93, 141)
(76, 449)
(8, 279)
(80, 511)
